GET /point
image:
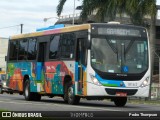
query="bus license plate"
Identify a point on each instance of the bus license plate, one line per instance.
(121, 94)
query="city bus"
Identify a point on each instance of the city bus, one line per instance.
(95, 61)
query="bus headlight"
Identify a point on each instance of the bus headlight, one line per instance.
(145, 82)
(95, 81)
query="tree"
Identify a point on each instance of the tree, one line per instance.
(136, 9)
(60, 7)
(103, 7)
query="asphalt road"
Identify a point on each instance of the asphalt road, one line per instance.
(17, 102)
(56, 108)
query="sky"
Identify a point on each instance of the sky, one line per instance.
(31, 14)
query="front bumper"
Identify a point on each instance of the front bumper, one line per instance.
(95, 90)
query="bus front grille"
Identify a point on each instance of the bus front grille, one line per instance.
(127, 91)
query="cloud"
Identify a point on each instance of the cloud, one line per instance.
(30, 13)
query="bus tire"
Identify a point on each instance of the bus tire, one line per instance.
(65, 97)
(71, 98)
(120, 101)
(27, 94)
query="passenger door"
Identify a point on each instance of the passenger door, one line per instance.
(81, 58)
(40, 65)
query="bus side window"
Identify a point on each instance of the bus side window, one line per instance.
(13, 50)
(23, 46)
(67, 46)
(32, 49)
(54, 44)
(81, 51)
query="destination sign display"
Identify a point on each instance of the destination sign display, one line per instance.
(119, 32)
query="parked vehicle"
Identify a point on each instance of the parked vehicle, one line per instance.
(3, 87)
(1, 84)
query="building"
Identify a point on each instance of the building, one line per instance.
(3, 53)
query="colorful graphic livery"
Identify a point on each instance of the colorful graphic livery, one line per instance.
(92, 61)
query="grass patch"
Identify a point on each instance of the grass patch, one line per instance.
(2, 110)
(153, 102)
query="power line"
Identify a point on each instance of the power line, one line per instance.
(10, 26)
(21, 25)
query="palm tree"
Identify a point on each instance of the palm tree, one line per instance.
(103, 7)
(136, 9)
(60, 7)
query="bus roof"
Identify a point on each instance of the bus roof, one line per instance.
(65, 29)
(53, 31)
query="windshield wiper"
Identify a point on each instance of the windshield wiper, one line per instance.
(129, 46)
(113, 48)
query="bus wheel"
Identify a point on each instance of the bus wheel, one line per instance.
(27, 94)
(120, 101)
(65, 97)
(72, 99)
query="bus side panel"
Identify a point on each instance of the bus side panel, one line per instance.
(53, 82)
(55, 74)
(16, 72)
(80, 79)
(37, 77)
(46, 79)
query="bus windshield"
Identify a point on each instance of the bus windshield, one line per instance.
(124, 55)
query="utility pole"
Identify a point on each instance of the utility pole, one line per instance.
(21, 28)
(73, 12)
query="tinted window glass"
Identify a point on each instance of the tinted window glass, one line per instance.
(67, 45)
(32, 49)
(53, 54)
(121, 55)
(13, 50)
(23, 46)
(3, 77)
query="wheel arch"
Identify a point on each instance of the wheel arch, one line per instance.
(67, 79)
